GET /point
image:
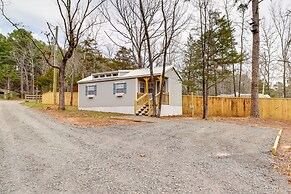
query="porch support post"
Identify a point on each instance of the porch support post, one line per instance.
(160, 79)
(147, 84)
(146, 79)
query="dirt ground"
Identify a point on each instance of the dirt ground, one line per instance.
(283, 158)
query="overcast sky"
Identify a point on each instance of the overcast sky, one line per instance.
(34, 14)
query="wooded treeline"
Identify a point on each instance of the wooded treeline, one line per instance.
(215, 59)
(227, 50)
(24, 70)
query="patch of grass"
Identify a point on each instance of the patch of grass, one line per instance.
(71, 111)
(34, 104)
(101, 114)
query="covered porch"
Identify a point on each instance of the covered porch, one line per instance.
(144, 100)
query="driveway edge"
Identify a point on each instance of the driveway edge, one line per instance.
(274, 148)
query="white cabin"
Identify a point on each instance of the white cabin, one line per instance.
(129, 92)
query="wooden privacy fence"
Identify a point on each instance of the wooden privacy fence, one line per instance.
(47, 98)
(270, 108)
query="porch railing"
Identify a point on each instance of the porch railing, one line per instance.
(143, 99)
(165, 98)
(165, 101)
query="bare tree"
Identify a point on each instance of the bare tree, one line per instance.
(282, 21)
(267, 54)
(162, 22)
(173, 22)
(74, 16)
(72, 79)
(129, 25)
(242, 8)
(228, 6)
(148, 10)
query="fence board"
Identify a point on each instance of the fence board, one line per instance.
(47, 98)
(270, 108)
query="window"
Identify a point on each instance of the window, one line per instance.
(150, 87)
(142, 87)
(119, 88)
(164, 86)
(91, 90)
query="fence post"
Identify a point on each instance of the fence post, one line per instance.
(192, 104)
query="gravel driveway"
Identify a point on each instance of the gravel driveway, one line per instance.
(41, 155)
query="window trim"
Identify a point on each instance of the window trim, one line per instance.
(139, 88)
(115, 88)
(87, 90)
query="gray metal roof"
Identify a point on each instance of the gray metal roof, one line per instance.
(125, 74)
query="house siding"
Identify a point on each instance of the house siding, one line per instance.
(105, 97)
(174, 88)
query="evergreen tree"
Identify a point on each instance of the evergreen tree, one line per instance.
(8, 69)
(190, 72)
(220, 54)
(123, 59)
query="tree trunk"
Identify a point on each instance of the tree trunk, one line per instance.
(26, 81)
(150, 57)
(284, 79)
(268, 78)
(153, 93)
(215, 84)
(139, 60)
(203, 29)
(166, 46)
(233, 66)
(205, 99)
(233, 80)
(255, 60)
(8, 84)
(72, 83)
(241, 51)
(21, 82)
(215, 89)
(62, 87)
(160, 96)
(32, 77)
